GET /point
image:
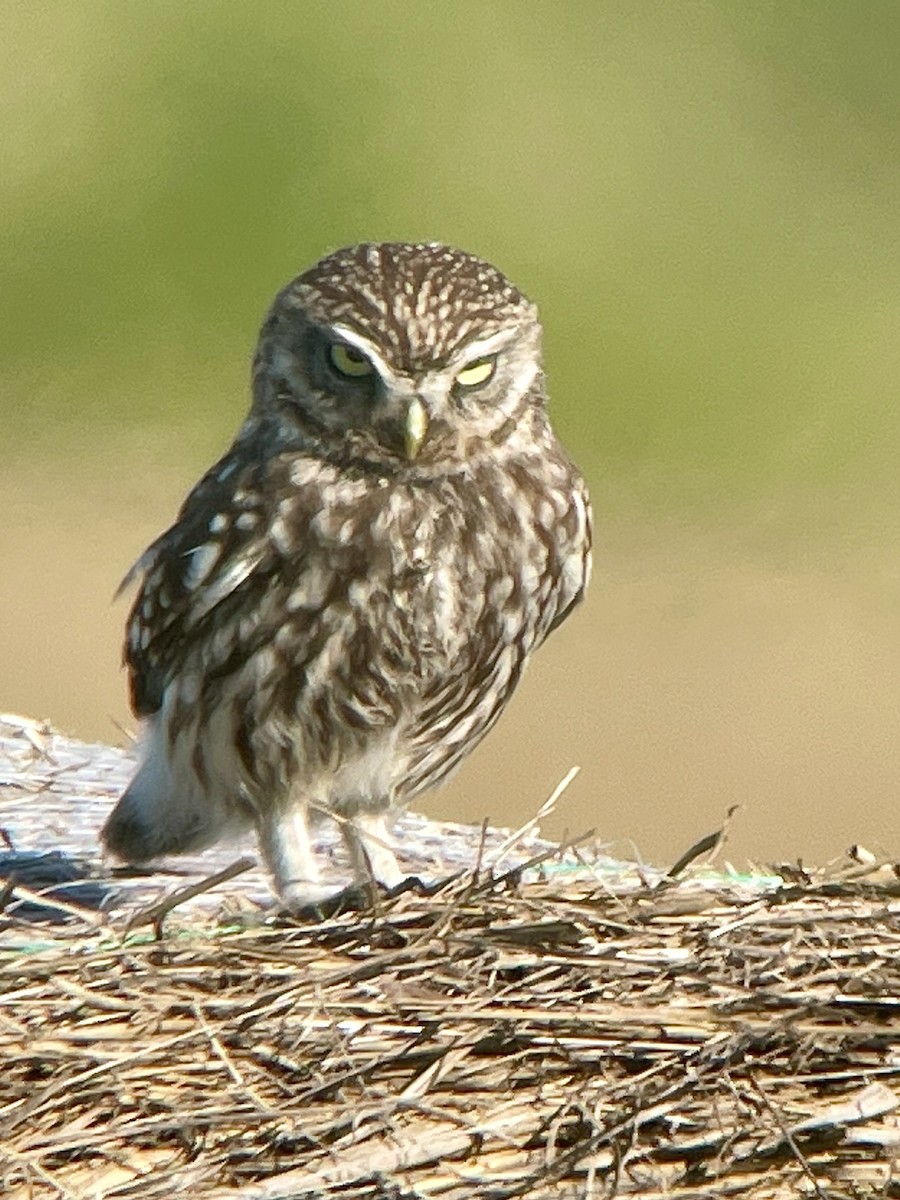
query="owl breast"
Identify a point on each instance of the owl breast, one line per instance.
(411, 612)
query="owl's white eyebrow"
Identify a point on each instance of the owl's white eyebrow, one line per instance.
(364, 346)
(483, 347)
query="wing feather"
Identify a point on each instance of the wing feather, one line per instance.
(218, 543)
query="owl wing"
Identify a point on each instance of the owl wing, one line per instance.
(572, 564)
(219, 542)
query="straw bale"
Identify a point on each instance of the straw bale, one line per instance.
(542, 1025)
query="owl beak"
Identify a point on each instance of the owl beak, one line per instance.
(415, 428)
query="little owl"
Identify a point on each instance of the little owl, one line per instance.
(348, 598)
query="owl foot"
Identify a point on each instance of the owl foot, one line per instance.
(357, 897)
(361, 896)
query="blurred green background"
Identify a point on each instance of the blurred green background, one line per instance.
(702, 197)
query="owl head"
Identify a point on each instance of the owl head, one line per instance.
(400, 356)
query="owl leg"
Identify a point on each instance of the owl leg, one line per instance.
(287, 848)
(367, 839)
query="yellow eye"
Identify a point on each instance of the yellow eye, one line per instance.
(349, 361)
(477, 372)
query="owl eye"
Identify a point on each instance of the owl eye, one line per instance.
(477, 372)
(348, 361)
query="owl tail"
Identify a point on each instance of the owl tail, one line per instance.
(162, 811)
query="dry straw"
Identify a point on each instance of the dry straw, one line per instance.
(559, 1030)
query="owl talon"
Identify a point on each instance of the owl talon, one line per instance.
(355, 898)
(414, 883)
(411, 883)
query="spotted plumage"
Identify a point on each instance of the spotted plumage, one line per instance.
(349, 596)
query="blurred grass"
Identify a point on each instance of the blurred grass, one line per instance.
(702, 196)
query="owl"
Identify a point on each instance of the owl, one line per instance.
(348, 598)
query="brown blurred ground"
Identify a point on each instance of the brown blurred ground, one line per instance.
(702, 198)
(700, 674)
